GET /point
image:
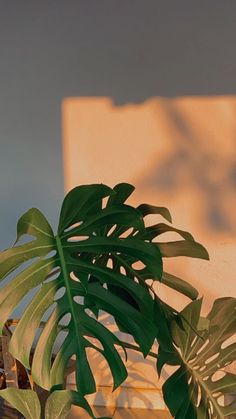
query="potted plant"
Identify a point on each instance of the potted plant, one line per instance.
(92, 264)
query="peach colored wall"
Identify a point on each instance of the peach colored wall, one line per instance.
(180, 153)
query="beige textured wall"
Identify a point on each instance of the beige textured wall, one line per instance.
(179, 153)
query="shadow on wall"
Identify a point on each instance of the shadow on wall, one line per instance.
(201, 158)
(179, 153)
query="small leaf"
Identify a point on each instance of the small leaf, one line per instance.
(175, 391)
(79, 202)
(122, 192)
(34, 223)
(147, 209)
(25, 401)
(59, 403)
(179, 285)
(183, 248)
(161, 228)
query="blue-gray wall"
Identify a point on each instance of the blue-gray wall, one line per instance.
(129, 50)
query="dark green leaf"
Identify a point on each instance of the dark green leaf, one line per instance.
(147, 209)
(179, 285)
(59, 403)
(79, 202)
(158, 229)
(183, 248)
(122, 192)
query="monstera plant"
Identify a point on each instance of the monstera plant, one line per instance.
(104, 258)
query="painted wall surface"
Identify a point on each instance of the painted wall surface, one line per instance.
(51, 50)
(179, 153)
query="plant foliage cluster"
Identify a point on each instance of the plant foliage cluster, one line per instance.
(104, 258)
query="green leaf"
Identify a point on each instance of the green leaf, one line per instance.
(183, 248)
(146, 252)
(14, 257)
(105, 275)
(179, 285)
(122, 192)
(59, 403)
(162, 320)
(80, 202)
(124, 215)
(25, 401)
(195, 388)
(143, 330)
(62, 270)
(34, 223)
(147, 209)
(161, 228)
(176, 393)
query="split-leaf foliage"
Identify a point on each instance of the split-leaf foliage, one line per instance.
(105, 258)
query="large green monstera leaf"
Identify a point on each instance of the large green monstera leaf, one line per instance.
(64, 273)
(129, 264)
(198, 387)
